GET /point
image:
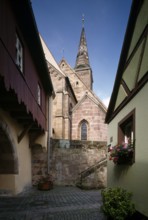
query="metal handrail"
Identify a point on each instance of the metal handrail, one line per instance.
(90, 169)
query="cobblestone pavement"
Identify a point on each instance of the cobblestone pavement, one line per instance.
(60, 203)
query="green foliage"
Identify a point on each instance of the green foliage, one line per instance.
(117, 203)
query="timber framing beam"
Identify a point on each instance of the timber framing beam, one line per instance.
(25, 131)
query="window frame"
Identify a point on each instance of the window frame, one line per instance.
(19, 53)
(84, 122)
(122, 125)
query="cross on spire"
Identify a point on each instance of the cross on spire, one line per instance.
(82, 20)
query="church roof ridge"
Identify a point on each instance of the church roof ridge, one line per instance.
(102, 104)
(49, 56)
(87, 89)
(87, 95)
(73, 70)
(54, 68)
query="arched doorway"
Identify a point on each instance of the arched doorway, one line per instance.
(8, 156)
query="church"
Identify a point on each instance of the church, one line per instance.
(77, 113)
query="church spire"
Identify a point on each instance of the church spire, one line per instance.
(82, 66)
(82, 59)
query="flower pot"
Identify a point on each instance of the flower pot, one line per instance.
(125, 158)
(48, 185)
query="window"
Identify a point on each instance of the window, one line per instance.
(39, 94)
(126, 129)
(84, 130)
(19, 53)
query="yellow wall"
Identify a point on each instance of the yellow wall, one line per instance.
(17, 182)
(134, 178)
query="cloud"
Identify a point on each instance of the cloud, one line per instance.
(106, 101)
(104, 97)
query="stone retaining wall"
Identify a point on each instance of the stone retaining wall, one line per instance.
(67, 160)
(70, 158)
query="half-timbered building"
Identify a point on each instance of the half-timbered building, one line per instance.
(127, 114)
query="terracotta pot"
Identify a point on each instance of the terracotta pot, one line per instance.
(45, 185)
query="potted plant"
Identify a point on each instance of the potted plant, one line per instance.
(45, 183)
(122, 153)
(117, 204)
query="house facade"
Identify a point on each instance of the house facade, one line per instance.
(127, 114)
(25, 93)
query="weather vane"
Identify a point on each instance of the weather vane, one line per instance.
(83, 20)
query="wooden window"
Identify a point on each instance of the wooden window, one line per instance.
(19, 53)
(126, 129)
(84, 130)
(39, 94)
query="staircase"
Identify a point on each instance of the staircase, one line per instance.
(90, 170)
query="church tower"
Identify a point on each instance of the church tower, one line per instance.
(82, 66)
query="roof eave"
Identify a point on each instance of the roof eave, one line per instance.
(24, 14)
(124, 52)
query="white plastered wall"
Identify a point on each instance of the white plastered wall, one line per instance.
(133, 178)
(15, 183)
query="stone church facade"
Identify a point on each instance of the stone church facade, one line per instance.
(78, 114)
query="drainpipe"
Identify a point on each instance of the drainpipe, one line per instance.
(50, 103)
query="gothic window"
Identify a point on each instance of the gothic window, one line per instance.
(84, 130)
(19, 53)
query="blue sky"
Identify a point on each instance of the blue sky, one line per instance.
(60, 23)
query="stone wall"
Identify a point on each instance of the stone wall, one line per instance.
(70, 158)
(39, 163)
(89, 111)
(67, 160)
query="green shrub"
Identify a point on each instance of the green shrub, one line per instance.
(117, 203)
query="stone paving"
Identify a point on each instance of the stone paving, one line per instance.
(60, 203)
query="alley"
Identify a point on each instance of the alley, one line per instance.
(60, 203)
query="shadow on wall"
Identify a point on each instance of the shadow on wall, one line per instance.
(121, 171)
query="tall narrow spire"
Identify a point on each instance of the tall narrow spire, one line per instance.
(82, 66)
(82, 59)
